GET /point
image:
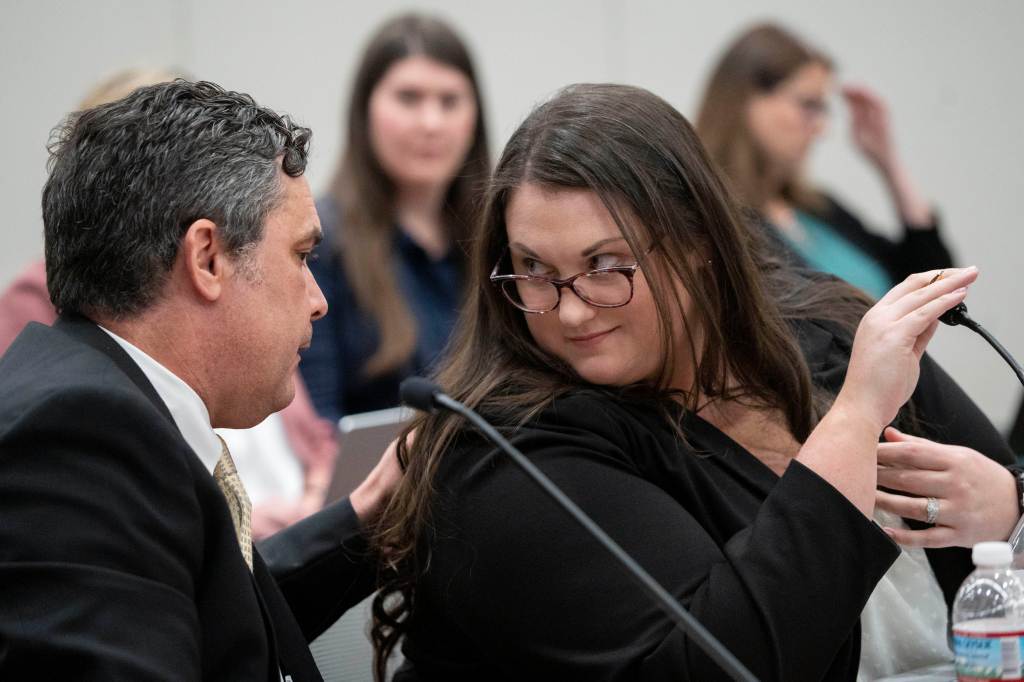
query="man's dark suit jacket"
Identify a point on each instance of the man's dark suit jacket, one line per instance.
(118, 558)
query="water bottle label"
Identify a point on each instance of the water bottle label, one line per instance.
(984, 656)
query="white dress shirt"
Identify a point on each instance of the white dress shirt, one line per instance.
(266, 461)
(186, 407)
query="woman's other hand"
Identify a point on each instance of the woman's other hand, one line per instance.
(976, 496)
(891, 338)
(369, 499)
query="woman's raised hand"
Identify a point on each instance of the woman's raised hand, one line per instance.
(871, 131)
(869, 125)
(892, 336)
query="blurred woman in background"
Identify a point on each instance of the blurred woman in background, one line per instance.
(391, 264)
(765, 106)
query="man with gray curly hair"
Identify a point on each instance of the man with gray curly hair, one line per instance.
(178, 227)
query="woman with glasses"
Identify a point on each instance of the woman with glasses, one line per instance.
(765, 106)
(708, 407)
(400, 207)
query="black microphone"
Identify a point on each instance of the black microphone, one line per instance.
(422, 394)
(418, 393)
(957, 315)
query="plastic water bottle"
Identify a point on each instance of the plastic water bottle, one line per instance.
(988, 618)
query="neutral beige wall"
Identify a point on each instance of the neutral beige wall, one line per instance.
(50, 54)
(950, 70)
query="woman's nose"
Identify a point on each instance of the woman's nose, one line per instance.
(573, 311)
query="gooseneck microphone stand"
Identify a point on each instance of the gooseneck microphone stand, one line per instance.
(425, 395)
(957, 315)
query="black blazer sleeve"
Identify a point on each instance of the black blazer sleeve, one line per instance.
(323, 566)
(784, 595)
(98, 528)
(916, 250)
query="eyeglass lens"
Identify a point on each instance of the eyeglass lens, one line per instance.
(599, 288)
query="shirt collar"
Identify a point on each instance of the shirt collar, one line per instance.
(186, 407)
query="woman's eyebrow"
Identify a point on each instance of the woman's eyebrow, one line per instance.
(586, 252)
(525, 249)
(594, 247)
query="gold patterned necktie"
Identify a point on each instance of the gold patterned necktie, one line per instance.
(238, 502)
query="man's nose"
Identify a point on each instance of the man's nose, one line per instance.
(317, 302)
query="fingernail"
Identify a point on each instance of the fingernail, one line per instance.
(961, 290)
(889, 531)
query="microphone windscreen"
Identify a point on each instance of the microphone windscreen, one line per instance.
(418, 393)
(955, 315)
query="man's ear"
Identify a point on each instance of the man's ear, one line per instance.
(204, 259)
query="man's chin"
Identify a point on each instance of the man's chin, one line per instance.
(284, 398)
(252, 413)
(288, 395)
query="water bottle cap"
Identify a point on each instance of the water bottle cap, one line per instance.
(992, 554)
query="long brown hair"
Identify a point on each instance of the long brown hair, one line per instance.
(645, 162)
(760, 59)
(365, 193)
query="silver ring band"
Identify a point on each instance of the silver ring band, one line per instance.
(931, 509)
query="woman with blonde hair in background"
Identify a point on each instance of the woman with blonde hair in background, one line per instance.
(396, 216)
(26, 298)
(765, 106)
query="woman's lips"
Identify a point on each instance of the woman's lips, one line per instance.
(590, 339)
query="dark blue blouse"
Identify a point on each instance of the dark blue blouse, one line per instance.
(333, 366)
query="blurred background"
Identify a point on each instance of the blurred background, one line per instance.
(950, 72)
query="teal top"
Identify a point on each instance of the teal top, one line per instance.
(824, 249)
